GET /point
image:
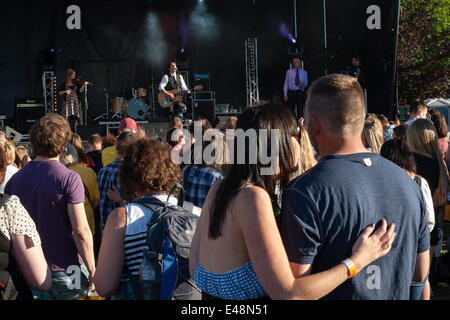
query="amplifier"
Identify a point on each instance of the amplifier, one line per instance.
(29, 102)
(27, 111)
(206, 110)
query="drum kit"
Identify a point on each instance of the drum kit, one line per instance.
(136, 108)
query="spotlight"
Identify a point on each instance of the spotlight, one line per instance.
(182, 50)
(294, 41)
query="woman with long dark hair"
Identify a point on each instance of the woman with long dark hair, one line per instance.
(237, 252)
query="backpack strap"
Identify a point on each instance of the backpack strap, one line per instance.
(154, 204)
(181, 196)
(86, 193)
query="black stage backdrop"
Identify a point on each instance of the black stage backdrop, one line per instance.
(126, 44)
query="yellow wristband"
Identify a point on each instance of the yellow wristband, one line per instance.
(351, 267)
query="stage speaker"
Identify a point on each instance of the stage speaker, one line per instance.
(27, 111)
(205, 109)
(86, 130)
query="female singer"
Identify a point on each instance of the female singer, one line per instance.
(71, 104)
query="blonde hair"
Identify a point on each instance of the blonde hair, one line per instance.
(69, 156)
(421, 138)
(307, 160)
(372, 135)
(22, 152)
(10, 152)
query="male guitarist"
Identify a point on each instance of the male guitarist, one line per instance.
(171, 82)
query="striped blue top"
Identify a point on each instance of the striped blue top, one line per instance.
(238, 284)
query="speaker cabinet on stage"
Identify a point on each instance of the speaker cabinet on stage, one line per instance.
(86, 130)
(205, 109)
(27, 112)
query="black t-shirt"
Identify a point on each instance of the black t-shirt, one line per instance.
(325, 210)
(428, 168)
(96, 156)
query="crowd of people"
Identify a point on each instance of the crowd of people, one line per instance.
(354, 210)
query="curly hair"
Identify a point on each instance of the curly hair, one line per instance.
(49, 135)
(148, 167)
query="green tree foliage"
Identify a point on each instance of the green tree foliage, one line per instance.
(423, 49)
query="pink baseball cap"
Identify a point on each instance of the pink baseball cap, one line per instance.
(128, 124)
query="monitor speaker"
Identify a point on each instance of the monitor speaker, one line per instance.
(11, 134)
(205, 110)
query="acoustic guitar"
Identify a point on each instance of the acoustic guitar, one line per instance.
(166, 102)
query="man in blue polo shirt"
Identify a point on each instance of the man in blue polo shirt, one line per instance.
(325, 210)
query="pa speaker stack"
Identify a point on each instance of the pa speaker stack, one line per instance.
(27, 111)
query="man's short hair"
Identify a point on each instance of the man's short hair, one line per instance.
(124, 141)
(49, 135)
(338, 102)
(417, 105)
(95, 139)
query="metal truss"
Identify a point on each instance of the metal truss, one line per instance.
(49, 91)
(251, 62)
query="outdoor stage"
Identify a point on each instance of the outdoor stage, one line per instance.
(238, 50)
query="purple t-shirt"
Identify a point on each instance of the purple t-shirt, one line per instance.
(45, 188)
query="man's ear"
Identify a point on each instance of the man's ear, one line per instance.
(314, 125)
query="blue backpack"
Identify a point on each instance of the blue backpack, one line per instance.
(169, 235)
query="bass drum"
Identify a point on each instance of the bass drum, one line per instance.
(137, 109)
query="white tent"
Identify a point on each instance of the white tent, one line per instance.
(437, 102)
(442, 106)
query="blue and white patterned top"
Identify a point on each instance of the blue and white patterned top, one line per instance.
(238, 284)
